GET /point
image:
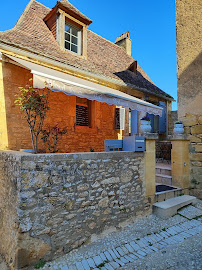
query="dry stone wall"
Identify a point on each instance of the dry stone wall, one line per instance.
(64, 199)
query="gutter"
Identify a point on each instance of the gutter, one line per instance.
(47, 60)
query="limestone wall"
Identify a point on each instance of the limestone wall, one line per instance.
(9, 195)
(66, 198)
(189, 73)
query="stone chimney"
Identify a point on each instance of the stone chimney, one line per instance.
(124, 42)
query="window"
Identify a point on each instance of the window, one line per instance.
(72, 38)
(83, 112)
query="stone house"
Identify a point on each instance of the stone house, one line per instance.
(99, 90)
(189, 75)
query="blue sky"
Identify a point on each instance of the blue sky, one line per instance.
(151, 25)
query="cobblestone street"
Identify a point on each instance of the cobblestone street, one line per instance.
(148, 243)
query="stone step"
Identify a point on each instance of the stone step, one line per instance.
(163, 171)
(164, 179)
(169, 207)
(165, 195)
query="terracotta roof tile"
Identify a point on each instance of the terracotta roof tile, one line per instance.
(103, 57)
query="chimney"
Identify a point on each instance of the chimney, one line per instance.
(124, 42)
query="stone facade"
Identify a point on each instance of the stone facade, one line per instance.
(189, 72)
(172, 118)
(56, 202)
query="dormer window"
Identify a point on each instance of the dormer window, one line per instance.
(69, 27)
(72, 38)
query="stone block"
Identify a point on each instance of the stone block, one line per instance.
(196, 129)
(196, 156)
(190, 120)
(194, 139)
(198, 147)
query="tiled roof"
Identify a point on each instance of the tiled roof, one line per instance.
(72, 8)
(103, 57)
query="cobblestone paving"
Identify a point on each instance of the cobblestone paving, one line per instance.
(179, 235)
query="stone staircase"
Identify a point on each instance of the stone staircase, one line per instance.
(163, 174)
(164, 178)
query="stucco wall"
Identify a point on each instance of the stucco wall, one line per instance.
(63, 111)
(189, 72)
(66, 198)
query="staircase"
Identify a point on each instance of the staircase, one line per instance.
(163, 174)
(164, 180)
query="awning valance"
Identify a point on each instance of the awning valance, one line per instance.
(59, 81)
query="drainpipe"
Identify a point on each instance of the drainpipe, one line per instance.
(166, 119)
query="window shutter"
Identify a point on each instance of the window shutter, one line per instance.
(151, 117)
(162, 123)
(120, 118)
(134, 122)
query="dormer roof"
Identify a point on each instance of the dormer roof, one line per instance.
(67, 7)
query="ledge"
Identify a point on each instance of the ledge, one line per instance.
(174, 137)
(151, 136)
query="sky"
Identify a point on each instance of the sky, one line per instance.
(151, 24)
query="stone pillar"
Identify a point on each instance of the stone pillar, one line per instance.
(150, 164)
(3, 122)
(180, 162)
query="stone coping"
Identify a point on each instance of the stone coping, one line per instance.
(151, 136)
(182, 137)
(73, 156)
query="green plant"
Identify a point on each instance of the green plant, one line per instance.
(92, 150)
(51, 136)
(137, 239)
(178, 122)
(181, 194)
(40, 264)
(164, 229)
(146, 118)
(33, 102)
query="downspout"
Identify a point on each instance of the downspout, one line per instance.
(166, 119)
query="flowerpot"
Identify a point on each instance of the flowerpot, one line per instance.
(145, 126)
(178, 129)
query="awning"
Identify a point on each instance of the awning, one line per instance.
(59, 81)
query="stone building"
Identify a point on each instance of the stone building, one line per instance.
(90, 76)
(189, 74)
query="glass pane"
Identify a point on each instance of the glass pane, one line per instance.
(74, 40)
(67, 45)
(67, 37)
(67, 28)
(74, 48)
(74, 32)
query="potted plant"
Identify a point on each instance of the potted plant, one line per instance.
(145, 124)
(178, 128)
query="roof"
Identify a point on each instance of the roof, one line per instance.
(70, 9)
(103, 57)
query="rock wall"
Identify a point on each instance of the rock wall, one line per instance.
(9, 196)
(189, 78)
(64, 199)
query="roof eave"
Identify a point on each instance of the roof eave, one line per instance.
(48, 60)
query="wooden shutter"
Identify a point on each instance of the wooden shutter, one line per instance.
(120, 118)
(162, 122)
(134, 122)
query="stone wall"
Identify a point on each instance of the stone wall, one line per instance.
(189, 75)
(64, 199)
(172, 118)
(9, 195)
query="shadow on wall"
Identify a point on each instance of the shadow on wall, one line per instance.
(189, 88)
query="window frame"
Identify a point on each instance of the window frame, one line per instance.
(89, 107)
(78, 37)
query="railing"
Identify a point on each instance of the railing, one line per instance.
(163, 151)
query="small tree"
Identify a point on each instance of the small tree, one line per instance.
(51, 137)
(34, 103)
